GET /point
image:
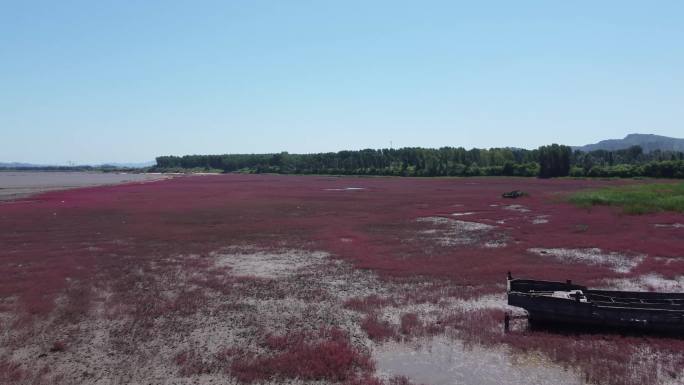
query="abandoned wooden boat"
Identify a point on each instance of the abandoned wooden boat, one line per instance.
(567, 303)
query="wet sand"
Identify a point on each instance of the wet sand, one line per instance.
(20, 184)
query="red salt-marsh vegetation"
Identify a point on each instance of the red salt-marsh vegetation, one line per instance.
(268, 279)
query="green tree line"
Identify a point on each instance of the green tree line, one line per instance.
(445, 161)
(547, 161)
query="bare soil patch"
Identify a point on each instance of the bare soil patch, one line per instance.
(619, 262)
(21, 184)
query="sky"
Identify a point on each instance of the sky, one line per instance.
(125, 81)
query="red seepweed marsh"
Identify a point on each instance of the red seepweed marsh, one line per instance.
(264, 278)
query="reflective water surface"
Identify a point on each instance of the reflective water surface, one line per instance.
(443, 361)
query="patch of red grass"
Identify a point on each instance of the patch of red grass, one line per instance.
(609, 359)
(11, 372)
(376, 329)
(188, 302)
(190, 362)
(58, 346)
(410, 324)
(368, 304)
(332, 358)
(484, 326)
(283, 342)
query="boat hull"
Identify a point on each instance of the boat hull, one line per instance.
(558, 311)
(656, 312)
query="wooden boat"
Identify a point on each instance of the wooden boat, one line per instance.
(513, 194)
(567, 303)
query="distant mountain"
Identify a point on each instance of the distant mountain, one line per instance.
(18, 165)
(127, 165)
(648, 143)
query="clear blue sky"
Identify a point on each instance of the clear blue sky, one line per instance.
(95, 81)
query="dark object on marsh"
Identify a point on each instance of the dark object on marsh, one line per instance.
(507, 322)
(57, 346)
(513, 194)
(574, 305)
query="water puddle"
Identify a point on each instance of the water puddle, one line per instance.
(540, 219)
(345, 189)
(670, 225)
(518, 208)
(443, 361)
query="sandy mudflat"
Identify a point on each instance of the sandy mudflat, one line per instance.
(19, 184)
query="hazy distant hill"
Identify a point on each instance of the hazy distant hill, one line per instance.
(128, 165)
(648, 142)
(18, 165)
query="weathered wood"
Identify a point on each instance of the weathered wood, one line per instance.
(660, 312)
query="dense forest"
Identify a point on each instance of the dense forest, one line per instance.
(546, 161)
